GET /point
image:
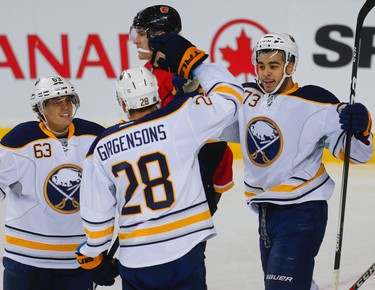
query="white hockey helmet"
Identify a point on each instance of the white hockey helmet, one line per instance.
(281, 42)
(49, 88)
(278, 41)
(137, 88)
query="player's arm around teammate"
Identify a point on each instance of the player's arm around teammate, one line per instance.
(215, 158)
(148, 169)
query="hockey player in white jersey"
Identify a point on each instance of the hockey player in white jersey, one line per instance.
(283, 131)
(148, 169)
(215, 158)
(40, 174)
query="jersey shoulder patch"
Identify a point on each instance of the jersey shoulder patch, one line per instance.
(23, 134)
(85, 127)
(316, 94)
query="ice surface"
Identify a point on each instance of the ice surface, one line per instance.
(233, 257)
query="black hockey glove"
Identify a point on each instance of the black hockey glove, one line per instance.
(355, 118)
(186, 88)
(102, 269)
(181, 56)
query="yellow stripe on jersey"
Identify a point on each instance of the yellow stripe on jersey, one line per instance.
(342, 157)
(222, 189)
(51, 135)
(40, 246)
(99, 234)
(167, 227)
(249, 194)
(228, 90)
(289, 188)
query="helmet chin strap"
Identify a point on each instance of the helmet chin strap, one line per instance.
(152, 61)
(56, 133)
(285, 75)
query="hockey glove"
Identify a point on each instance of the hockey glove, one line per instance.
(102, 269)
(186, 88)
(181, 56)
(356, 119)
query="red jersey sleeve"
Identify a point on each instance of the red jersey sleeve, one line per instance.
(166, 88)
(223, 176)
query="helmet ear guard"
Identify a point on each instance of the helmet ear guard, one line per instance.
(137, 88)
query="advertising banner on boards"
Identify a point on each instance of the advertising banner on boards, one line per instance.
(88, 43)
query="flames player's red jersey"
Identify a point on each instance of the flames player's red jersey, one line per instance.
(166, 88)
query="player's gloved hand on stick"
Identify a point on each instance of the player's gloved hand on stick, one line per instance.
(355, 118)
(181, 56)
(102, 268)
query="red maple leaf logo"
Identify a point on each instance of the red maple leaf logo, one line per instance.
(240, 59)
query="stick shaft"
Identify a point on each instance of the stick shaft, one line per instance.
(366, 8)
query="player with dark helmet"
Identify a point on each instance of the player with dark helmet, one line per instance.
(156, 18)
(147, 23)
(216, 158)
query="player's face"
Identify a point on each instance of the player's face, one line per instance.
(271, 69)
(59, 113)
(140, 39)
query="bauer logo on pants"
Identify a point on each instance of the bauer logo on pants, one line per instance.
(61, 188)
(263, 141)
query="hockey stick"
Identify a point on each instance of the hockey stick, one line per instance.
(110, 254)
(363, 278)
(366, 8)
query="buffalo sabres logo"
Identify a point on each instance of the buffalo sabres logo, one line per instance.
(264, 141)
(61, 188)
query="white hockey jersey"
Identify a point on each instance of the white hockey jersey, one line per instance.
(149, 169)
(283, 137)
(41, 176)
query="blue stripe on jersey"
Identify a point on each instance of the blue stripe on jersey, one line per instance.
(170, 108)
(169, 239)
(338, 145)
(317, 94)
(23, 134)
(310, 92)
(98, 223)
(166, 215)
(43, 235)
(27, 132)
(270, 199)
(40, 258)
(85, 127)
(3, 193)
(251, 85)
(93, 145)
(99, 245)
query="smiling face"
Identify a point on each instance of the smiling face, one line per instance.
(58, 113)
(270, 69)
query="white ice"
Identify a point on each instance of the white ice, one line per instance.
(233, 258)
